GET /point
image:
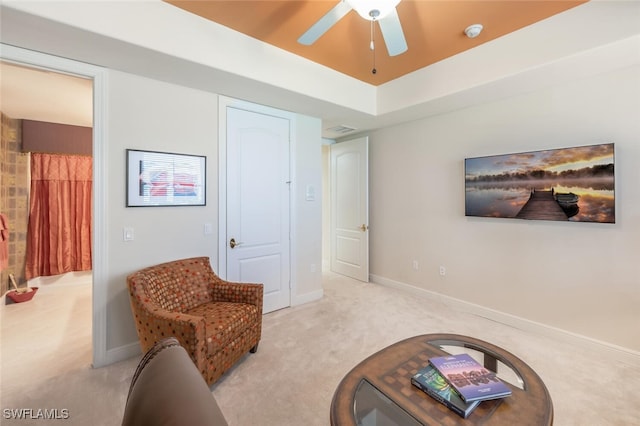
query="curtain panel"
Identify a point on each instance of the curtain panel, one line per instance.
(60, 217)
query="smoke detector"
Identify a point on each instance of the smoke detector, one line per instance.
(472, 31)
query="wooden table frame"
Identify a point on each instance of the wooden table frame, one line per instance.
(390, 371)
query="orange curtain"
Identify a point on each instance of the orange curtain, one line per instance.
(59, 231)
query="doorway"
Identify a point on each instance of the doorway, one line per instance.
(349, 208)
(55, 65)
(57, 321)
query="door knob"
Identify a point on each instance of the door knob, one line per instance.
(233, 244)
(363, 227)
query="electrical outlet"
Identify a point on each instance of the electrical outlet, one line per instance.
(443, 271)
(416, 265)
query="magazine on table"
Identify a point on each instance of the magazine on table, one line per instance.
(433, 384)
(472, 381)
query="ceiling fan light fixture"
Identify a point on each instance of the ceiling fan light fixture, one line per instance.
(373, 9)
(473, 31)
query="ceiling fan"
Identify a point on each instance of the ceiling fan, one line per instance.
(381, 11)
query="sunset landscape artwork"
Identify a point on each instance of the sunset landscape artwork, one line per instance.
(566, 184)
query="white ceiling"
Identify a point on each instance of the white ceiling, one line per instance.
(33, 94)
(181, 48)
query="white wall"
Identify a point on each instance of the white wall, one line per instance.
(307, 214)
(326, 210)
(495, 263)
(152, 115)
(579, 277)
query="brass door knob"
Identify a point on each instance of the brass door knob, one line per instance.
(232, 243)
(363, 227)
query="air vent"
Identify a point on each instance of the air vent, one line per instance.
(341, 129)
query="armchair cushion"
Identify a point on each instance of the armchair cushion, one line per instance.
(223, 321)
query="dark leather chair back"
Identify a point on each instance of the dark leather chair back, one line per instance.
(168, 389)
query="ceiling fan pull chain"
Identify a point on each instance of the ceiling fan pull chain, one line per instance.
(373, 46)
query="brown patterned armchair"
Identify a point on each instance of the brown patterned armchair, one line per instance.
(216, 321)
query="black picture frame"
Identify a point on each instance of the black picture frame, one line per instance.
(165, 179)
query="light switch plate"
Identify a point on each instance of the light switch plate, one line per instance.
(208, 229)
(127, 234)
(310, 194)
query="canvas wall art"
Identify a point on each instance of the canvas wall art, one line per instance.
(565, 184)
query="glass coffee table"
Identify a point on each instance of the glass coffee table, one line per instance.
(378, 391)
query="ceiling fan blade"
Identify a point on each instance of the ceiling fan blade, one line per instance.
(327, 21)
(392, 33)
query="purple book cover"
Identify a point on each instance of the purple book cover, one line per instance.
(470, 379)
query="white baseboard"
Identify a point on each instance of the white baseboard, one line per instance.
(605, 349)
(307, 297)
(69, 279)
(121, 353)
(130, 350)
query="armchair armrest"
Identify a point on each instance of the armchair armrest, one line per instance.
(155, 323)
(226, 291)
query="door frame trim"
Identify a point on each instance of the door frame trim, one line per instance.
(99, 256)
(223, 103)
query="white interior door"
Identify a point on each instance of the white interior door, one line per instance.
(258, 203)
(350, 208)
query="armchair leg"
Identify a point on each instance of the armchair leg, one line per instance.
(254, 349)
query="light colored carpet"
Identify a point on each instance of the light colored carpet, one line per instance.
(304, 353)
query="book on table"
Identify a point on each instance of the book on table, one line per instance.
(469, 379)
(433, 384)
